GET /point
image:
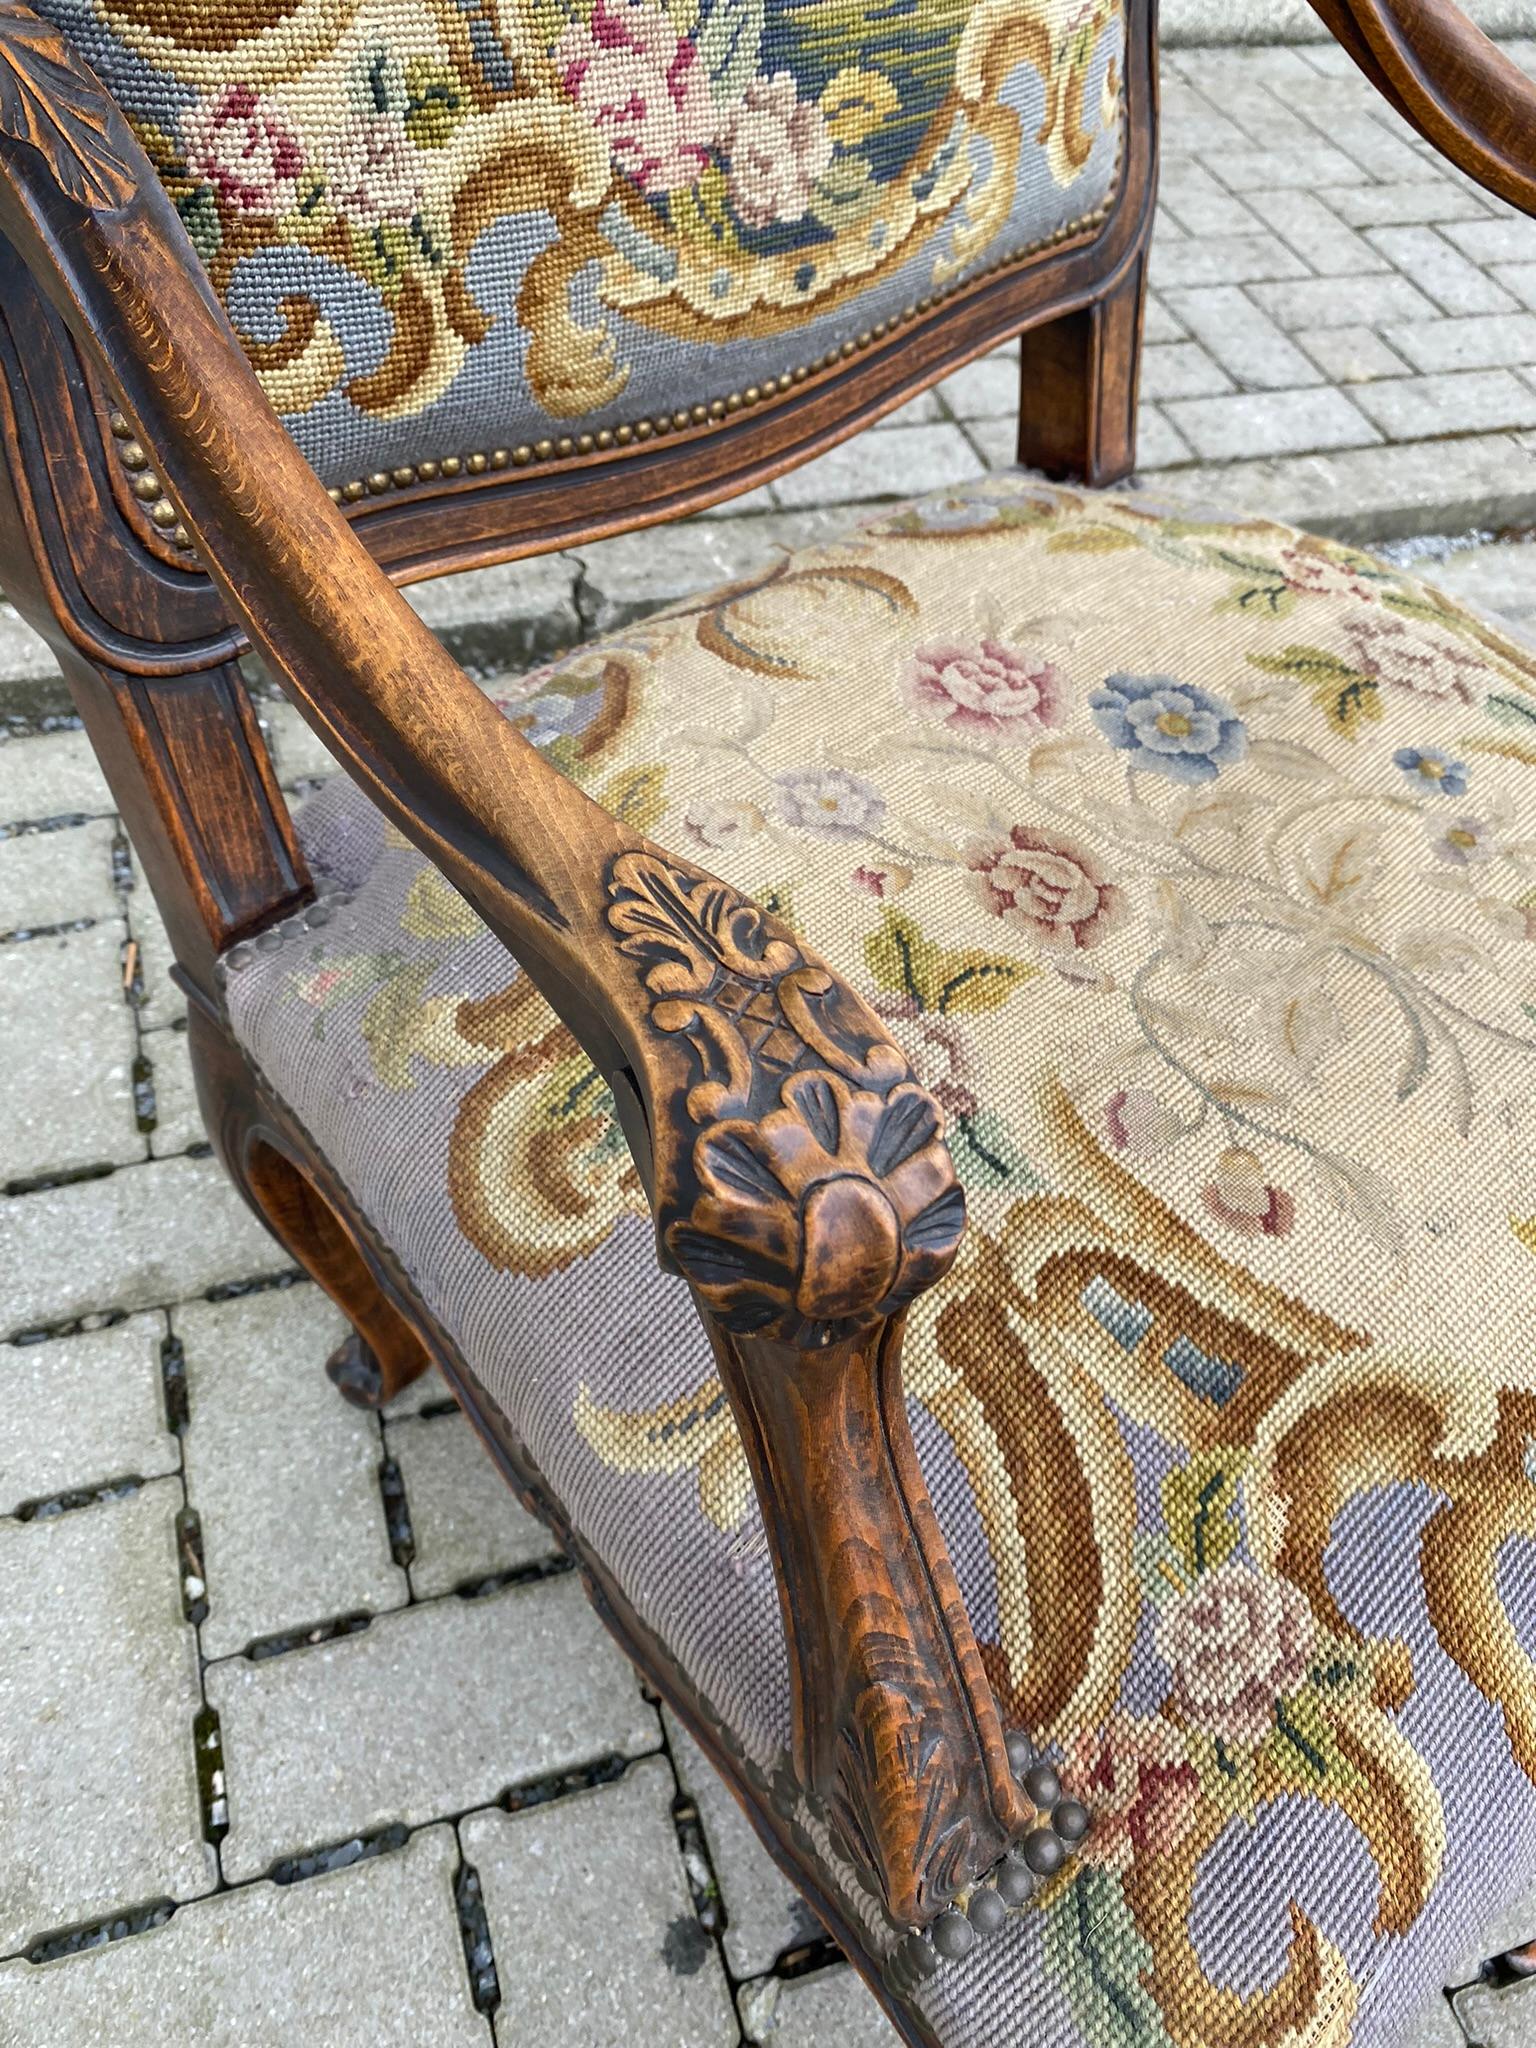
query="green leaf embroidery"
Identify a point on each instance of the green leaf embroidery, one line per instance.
(634, 796)
(1090, 540)
(1200, 1508)
(1347, 696)
(1095, 1951)
(986, 1155)
(1303, 1747)
(964, 983)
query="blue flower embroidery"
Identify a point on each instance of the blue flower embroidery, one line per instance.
(1433, 771)
(1171, 727)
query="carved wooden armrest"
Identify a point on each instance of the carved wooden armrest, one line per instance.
(1456, 86)
(798, 1173)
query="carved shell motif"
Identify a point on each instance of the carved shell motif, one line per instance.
(49, 101)
(823, 1197)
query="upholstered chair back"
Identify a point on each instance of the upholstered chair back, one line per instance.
(455, 234)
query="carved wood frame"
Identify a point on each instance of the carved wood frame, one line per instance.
(796, 1168)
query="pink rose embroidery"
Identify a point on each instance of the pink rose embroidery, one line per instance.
(1050, 888)
(1139, 1787)
(779, 147)
(370, 164)
(241, 144)
(1405, 657)
(990, 691)
(937, 1049)
(1236, 1644)
(1314, 569)
(639, 83)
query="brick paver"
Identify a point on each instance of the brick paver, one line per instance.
(1341, 331)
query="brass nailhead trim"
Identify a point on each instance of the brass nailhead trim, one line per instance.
(146, 486)
(708, 412)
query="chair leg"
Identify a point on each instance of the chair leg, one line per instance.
(1079, 376)
(382, 1354)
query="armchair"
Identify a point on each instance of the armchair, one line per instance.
(1151, 1396)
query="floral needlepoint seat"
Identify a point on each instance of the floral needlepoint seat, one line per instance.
(1190, 862)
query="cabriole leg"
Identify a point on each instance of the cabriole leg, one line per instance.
(382, 1354)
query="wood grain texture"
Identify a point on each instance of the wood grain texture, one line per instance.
(1454, 84)
(773, 1120)
(1079, 382)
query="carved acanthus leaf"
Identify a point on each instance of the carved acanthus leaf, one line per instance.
(49, 101)
(821, 1195)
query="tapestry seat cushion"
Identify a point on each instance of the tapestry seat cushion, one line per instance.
(448, 230)
(1194, 863)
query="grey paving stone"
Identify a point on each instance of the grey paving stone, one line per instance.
(1203, 207)
(160, 1000)
(1488, 341)
(880, 465)
(833, 2009)
(465, 1520)
(66, 1091)
(29, 675)
(765, 1915)
(1341, 302)
(1374, 139)
(634, 573)
(1181, 369)
(984, 390)
(49, 878)
(98, 1693)
(298, 754)
(1424, 197)
(1499, 579)
(504, 619)
(1309, 227)
(82, 1410)
(50, 775)
(589, 1895)
(1519, 280)
(1510, 238)
(283, 1473)
(141, 1237)
(1159, 324)
(1243, 339)
(1263, 170)
(1159, 444)
(1350, 355)
(1225, 260)
(1463, 402)
(1497, 2019)
(349, 1735)
(1270, 423)
(178, 1120)
(1456, 284)
(1376, 494)
(365, 1957)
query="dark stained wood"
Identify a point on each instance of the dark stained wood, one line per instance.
(1078, 385)
(1454, 84)
(384, 1353)
(732, 1052)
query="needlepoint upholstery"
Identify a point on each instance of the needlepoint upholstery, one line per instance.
(441, 226)
(1192, 861)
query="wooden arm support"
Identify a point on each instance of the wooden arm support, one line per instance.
(1456, 86)
(798, 1173)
